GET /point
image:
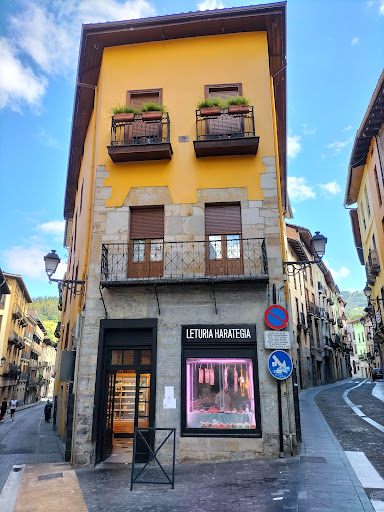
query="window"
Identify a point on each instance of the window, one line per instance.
(220, 393)
(366, 200)
(223, 236)
(146, 251)
(224, 124)
(144, 131)
(373, 243)
(378, 186)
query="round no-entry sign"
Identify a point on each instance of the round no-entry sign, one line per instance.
(276, 317)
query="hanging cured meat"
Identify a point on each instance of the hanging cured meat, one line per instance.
(242, 382)
(207, 375)
(212, 376)
(247, 384)
(235, 377)
(201, 375)
(226, 379)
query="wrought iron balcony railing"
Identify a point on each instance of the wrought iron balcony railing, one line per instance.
(140, 262)
(225, 133)
(140, 139)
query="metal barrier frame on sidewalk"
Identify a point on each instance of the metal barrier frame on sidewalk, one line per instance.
(153, 455)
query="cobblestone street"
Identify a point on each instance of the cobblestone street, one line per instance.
(353, 432)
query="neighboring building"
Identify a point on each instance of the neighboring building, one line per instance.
(320, 353)
(21, 345)
(361, 336)
(365, 189)
(175, 224)
(13, 320)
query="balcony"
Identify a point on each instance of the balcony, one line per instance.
(311, 309)
(13, 371)
(140, 139)
(36, 338)
(24, 376)
(224, 134)
(16, 312)
(373, 264)
(15, 339)
(139, 263)
(301, 321)
(25, 355)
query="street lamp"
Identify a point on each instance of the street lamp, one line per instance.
(368, 293)
(318, 242)
(52, 261)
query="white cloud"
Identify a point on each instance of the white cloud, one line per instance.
(29, 262)
(307, 130)
(298, 190)
(18, 83)
(53, 227)
(332, 188)
(47, 36)
(347, 128)
(340, 145)
(355, 41)
(294, 146)
(339, 274)
(210, 5)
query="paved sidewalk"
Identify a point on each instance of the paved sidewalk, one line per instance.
(320, 480)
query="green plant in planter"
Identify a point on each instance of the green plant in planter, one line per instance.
(237, 100)
(211, 102)
(125, 109)
(151, 106)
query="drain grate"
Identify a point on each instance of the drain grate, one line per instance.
(375, 494)
(312, 459)
(17, 468)
(50, 477)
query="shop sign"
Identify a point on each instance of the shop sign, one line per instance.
(277, 339)
(219, 333)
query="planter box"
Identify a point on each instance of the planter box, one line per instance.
(124, 118)
(152, 115)
(210, 111)
(238, 109)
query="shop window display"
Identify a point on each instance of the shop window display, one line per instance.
(220, 393)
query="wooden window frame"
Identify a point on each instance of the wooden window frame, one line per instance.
(143, 91)
(224, 87)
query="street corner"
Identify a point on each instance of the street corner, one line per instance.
(49, 487)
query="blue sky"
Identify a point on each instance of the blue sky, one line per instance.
(335, 57)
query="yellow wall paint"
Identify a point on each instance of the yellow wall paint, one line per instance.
(181, 68)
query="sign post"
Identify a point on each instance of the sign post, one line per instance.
(280, 367)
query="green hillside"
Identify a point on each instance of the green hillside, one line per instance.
(356, 302)
(48, 312)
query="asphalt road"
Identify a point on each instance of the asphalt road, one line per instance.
(27, 440)
(353, 433)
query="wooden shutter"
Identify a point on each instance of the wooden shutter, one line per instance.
(224, 124)
(222, 219)
(136, 99)
(147, 223)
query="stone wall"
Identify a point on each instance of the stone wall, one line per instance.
(182, 304)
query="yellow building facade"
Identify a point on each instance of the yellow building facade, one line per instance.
(365, 189)
(174, 223)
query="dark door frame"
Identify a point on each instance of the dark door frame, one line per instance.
(120, 334)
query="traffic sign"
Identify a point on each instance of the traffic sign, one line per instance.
(276, 317)
(280, 365)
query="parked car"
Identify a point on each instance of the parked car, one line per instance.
(377, 374)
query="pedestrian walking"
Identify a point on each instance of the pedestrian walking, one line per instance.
(47, 411)
(12, 406)
(3, 410)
